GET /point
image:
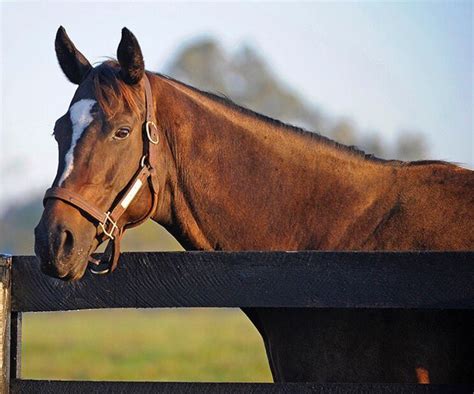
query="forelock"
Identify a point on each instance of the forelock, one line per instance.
(112, 93)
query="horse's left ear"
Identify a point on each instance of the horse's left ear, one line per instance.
(130, 58)
(73, 63)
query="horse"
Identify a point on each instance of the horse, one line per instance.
(135, 145)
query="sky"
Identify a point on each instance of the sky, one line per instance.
(387, 66)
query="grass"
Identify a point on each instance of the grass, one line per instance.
(167, 345)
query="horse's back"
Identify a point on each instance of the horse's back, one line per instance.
(419, 207)
(437, 207)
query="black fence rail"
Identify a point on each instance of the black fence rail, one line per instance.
(402, 280)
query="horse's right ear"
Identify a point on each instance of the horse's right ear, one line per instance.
(72, 62)
(129, 55)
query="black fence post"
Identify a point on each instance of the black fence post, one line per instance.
(15, 345)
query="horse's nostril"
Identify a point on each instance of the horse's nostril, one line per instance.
(67, 242)
(63, 243)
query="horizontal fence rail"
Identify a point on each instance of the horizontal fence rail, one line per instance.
(61, 387)
(433, 280)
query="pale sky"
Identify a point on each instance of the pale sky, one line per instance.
(387, 66)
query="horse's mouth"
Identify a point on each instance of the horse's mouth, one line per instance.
(49, 269)
(67, 276)
(69, 270)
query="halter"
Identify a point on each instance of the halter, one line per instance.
(107, 222)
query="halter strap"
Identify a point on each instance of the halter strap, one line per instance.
(107, 222)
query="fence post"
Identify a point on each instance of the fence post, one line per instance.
(5, 308)
(15, 345)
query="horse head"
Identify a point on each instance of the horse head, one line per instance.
(109, 176)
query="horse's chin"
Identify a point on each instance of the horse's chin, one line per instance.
(70, 271)
(74, 267)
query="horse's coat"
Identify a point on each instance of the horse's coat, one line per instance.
(80, 114)
(231, 179)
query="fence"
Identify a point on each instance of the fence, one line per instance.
(407, 280)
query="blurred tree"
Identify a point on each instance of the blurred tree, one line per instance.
(201, 64)
(16, 226)
(245, 78)
(344, 133)
(411, 146)
(372, 144)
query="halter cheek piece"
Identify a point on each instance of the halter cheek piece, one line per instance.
(107, 223)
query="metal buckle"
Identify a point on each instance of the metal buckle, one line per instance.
(148, 132)
(103, 226)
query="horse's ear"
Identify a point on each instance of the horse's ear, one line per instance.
(130, 58)
(72, 62)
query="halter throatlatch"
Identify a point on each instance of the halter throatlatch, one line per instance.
(107, 222)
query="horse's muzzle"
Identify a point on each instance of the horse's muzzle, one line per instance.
(63, 242)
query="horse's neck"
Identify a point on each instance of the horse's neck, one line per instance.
(246, 183)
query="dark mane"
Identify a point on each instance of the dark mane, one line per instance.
(354, 150)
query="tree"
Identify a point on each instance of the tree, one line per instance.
(411, 145)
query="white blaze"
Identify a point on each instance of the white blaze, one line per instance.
(80, 114)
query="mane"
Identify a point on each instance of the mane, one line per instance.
(352, 150)
(112, 93)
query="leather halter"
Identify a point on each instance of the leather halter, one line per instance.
(107, 222)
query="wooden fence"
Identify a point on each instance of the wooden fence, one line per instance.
(421, 280)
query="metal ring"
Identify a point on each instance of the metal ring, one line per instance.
(97, 263)
(148, 132)
(102, 272)
(142, 161)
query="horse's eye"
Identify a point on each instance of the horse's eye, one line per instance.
(122, 133)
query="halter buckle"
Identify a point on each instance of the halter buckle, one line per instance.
(148, 124)
(142, 161)
(103, 226)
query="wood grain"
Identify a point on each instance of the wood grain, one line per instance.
(76, 387)
(436, 280)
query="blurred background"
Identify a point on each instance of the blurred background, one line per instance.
(394, 79)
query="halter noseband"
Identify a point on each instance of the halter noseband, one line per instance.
(107, 223)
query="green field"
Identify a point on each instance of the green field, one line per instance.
(170, 345)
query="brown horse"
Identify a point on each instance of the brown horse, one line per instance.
(221, 177)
